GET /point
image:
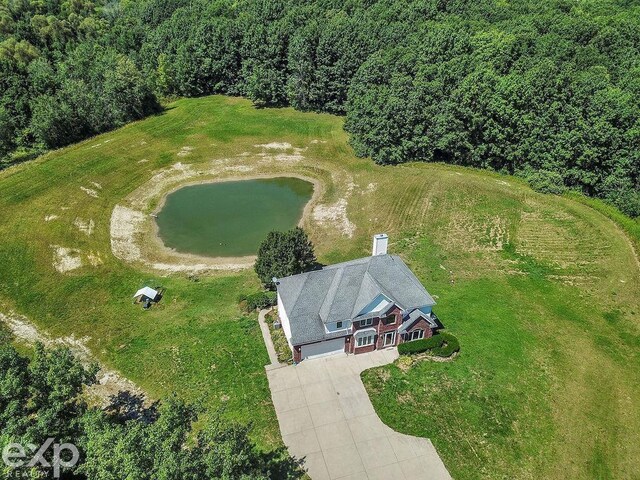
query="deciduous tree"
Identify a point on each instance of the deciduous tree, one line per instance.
(284, 253)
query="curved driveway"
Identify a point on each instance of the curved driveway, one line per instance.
(326, 418)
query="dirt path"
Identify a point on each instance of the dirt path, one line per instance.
(109, 382)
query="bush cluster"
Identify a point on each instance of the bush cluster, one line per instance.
(440, 345)
(257, 301)
(279, 338)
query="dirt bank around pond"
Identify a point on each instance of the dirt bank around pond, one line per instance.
(134, 232)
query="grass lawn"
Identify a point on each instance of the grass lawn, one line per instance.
(543, 292)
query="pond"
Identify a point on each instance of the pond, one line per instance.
(230, 219)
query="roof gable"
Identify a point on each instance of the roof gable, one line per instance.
(413, 317)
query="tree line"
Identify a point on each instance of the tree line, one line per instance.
(548, 91)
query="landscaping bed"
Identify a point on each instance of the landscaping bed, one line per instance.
(279, 339)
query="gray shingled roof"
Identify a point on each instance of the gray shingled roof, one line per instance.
(340, 292)
(413, 317)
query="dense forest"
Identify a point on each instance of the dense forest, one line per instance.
(547, 90)
(43, 398)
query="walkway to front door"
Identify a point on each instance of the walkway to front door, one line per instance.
(326, 418)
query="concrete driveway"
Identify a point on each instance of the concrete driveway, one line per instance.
(326, 418)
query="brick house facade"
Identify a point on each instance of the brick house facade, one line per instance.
(421, 328)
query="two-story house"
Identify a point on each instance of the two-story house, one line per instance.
(354, 307)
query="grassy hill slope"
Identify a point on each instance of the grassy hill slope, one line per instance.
(543, 292)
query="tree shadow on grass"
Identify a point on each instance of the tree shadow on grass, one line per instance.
(282, 466)
(127, 405)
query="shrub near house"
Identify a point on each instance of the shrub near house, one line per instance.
(257, 301)
(440, 345)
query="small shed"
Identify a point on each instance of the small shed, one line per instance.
(146, 293)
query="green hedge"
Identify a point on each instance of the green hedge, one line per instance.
(258, 300)
(441, 345)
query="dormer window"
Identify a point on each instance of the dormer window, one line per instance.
(366, 322)
(338, 324)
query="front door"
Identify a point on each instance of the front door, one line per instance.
(389, 339)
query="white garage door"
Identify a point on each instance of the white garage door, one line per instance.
(329, 347)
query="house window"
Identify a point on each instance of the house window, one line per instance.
(391, 319)
(389, 339)
(417, 335)
(366, 322)
(365, 340)
(338, 324)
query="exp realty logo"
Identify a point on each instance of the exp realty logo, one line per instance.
(65, 455)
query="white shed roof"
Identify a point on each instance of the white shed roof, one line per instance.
(147, 292)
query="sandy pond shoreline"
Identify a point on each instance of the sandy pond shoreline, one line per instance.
(134, 231)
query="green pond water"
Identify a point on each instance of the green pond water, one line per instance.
(230, 219)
